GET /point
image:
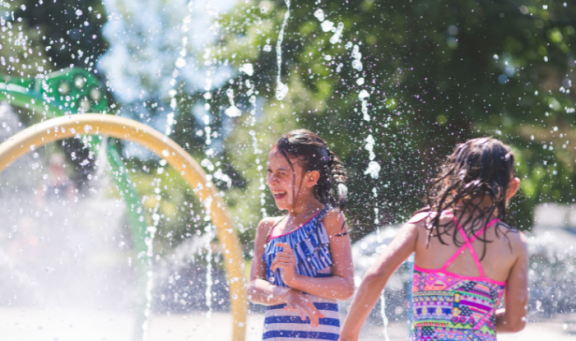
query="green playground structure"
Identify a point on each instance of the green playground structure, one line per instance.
(73, 91)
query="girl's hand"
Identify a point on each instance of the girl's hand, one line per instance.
(285, 260)
(297, 301)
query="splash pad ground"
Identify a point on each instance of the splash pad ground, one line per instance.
(70, 325)
(67, 325)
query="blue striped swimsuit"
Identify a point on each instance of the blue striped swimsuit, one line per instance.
(310, 245)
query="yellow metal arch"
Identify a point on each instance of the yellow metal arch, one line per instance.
(126, 129)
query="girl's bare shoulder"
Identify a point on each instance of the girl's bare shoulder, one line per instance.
(334, 221)
(266, 224)
(421, 222)
(513, 236)
(423, 218)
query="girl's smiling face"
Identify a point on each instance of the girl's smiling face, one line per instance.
(283, 179)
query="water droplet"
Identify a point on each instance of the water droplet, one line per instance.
(373, 169)
(363, 94)
(233, 111)
(95, 94)
(247, 69)
(180, 63)
(281, 91)
(336, 37)
(79, 81)
(327, 25)
(319, 14)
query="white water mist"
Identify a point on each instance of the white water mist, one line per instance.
(383, 313)
(209, 290)
(281, 88)
(149, 241)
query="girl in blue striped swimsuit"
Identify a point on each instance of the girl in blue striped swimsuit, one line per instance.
(302, 261)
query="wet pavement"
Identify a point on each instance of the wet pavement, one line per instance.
(20, 324)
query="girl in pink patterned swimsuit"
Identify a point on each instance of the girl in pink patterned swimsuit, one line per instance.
(467, 257)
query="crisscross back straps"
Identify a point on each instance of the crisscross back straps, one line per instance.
(468, 244)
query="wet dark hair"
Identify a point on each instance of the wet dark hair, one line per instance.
(477, 169)
(314, 155)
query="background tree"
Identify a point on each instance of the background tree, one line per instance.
(392, 86)
(408, 80)
(41, 37)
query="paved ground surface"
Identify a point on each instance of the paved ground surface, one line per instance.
(70, 325)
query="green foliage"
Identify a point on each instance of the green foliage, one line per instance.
(437, 72)
(40, 37)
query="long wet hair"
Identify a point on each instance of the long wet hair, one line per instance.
(313, 154)
(477, 169)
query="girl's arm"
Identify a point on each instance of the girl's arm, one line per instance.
(375, 279)
(260, 291)
(340, 285)
(512, 318)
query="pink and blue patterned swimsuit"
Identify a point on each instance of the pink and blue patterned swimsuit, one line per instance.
(449, 307)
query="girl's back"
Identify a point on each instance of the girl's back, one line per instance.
(468, 258)
(458, 285)
(496, 257)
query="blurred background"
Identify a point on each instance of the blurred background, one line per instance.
(392, 86)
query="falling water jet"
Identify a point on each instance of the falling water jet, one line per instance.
(363, 96)
(179, 64)
(151, 230)
(248, 69)
(149, 240)
(281, 88)
(383, 313)
(373, 167)
(233, 110)
(338, 34)
(410, 262)
(209, 288)
(383, 295)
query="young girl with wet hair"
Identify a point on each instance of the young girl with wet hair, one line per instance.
(302, 261)
(467, 256)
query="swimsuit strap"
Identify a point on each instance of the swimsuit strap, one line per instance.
(318, 217)
(468, 244)
(273, 226)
